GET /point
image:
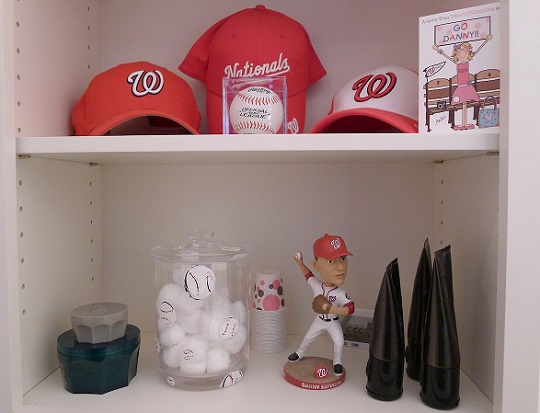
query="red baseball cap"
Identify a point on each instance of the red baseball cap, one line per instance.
(133, 90)
(381, 100)
(255, 42)
(330, 247)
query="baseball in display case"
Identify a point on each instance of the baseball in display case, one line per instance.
(459, 70)
(254, 105)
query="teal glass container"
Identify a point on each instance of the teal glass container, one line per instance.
(98, 368)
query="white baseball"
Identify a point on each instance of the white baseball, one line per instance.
(232, 378)
(256, 109)
(166, 315)
(229, 328)
(200, 282)
(166, 303)
(194, 348)
(236, 343)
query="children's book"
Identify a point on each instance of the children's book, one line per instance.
(459, 70)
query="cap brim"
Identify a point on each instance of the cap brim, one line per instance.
(341, 254)
(117, 120)
(365, 121)
(296, 112)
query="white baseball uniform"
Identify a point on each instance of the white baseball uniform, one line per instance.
(329, 322)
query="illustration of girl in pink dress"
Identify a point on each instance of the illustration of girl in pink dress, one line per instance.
(465, 92)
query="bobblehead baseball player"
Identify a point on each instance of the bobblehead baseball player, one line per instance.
(331, 262)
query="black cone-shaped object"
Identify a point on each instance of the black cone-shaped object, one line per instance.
(385, 365)
(441, 359)
(417, 314)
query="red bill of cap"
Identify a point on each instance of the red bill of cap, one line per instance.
(133, 90)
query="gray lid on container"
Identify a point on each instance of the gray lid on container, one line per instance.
(99, 322)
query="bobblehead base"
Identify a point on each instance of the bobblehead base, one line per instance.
(313, 373)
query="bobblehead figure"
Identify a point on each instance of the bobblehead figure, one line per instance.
(331, 263)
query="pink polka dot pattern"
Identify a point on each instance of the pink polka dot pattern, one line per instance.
(268, 292)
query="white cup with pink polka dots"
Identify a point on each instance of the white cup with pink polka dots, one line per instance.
(268, 313)
(267, 294)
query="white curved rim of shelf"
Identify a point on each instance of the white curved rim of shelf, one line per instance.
(260, 148)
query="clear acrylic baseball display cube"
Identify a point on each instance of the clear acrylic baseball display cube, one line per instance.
(255, 105)
(202, 317)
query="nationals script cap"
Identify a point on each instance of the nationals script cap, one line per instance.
(381, 100)
(330, 247)
(134, 90)
(255, 42)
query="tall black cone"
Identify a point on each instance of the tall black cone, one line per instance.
(385, 365)
(417, 313)
(441, 359)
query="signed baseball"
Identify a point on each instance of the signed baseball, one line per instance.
(229, 328)
(256, 109)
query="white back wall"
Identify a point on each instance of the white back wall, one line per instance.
(277, 209)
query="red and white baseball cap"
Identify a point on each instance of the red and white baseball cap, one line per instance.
(255, 42)
(330, 247)
(134, 90)
(382, 100)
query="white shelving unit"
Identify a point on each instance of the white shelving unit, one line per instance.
(79, 214)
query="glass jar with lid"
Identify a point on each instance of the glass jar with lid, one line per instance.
(202, 317)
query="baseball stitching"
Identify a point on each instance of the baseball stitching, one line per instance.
(250, 125)
(258, 100)
(208, 278)
(196, 282)
(225, 331)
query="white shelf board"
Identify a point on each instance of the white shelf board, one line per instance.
(263, 389)
(304, 148)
